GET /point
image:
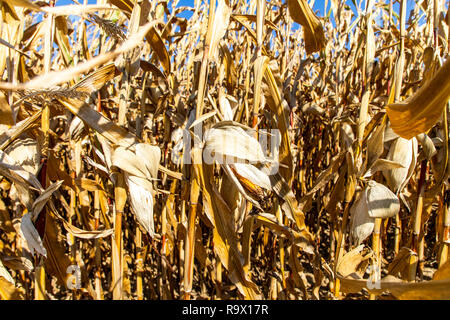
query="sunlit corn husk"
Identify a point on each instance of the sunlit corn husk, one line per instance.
(347, 135)
(225, 106)
(404, 152)
(353, 263)
(375, 201)
(253, 174)
(141, 167)
(427, 145)
(30, 233)
(231, 141)
(361, 224)
(251, 178)
(150, 156)
(381, 202)
(220, 25)
(141, 199)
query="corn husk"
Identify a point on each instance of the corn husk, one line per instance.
(141, 167)
(404, 152)
(375, 201)
(252, 173)
(141, 199)
(361, 223)
(228, 142)
(381, 202)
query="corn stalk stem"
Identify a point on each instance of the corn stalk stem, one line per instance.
(376, 247)
(116, 245)
(417, 239)
(445, 237)
(190, 240)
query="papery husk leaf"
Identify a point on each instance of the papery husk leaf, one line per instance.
(18, 263)
(141, 199)
(239, 186)
(230, 141)
(427, 145)
(40, 201)
(16, 173)
(381, 202)
(403, 152)
(225, 107)
(253, 174)
(129, 162)
(150, 155)
(26, 153)
(382, 165)
(31, 235)
(361, 223)
(375, 145)
(219, 27)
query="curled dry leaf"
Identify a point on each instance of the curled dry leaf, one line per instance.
(420, 112)
(30, 233)
(350, 263)
(314, 36)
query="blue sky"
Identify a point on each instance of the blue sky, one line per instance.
(318, 6)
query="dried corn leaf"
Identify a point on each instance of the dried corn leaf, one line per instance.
(443, 273)
(5, 274)
(420, 112)
(30, 233)
(314, 36)
(9, 292)
(427, 290)
(349, 264)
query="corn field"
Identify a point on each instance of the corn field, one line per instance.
(226, 150)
